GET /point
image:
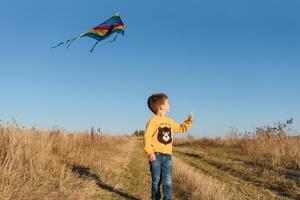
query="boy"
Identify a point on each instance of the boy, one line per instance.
(158, 141)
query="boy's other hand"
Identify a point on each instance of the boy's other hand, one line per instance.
(152, 157)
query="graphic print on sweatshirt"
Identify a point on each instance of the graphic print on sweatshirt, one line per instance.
(164, 135)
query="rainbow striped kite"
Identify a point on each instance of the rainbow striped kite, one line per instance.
(101, 32)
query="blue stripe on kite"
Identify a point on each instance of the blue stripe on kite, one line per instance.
(111, 21)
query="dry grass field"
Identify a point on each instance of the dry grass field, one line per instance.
(260, 165)
(55, 164)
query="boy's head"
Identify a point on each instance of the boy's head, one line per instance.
(158, 103)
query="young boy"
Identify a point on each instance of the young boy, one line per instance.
(158, 141)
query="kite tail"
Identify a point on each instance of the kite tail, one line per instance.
(61, 44)
(69, 42)
(94, 46)
(114, 38)
(58, 44)
(99, 41)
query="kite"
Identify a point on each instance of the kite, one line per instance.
(101, 32)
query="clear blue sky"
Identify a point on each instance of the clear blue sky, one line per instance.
(233, 63)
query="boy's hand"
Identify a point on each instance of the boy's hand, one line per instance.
(191, 116)
(152, 157)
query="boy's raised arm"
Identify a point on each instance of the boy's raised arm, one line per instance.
(180, 128)
(150, 129)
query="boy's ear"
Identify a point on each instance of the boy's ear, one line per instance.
(160, 107)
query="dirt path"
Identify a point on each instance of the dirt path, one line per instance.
(136, 177)
(129, 177)
(125, 174)
(239, 186)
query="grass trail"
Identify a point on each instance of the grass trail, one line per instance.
(136, 176)
(238, 186)
(129, 179)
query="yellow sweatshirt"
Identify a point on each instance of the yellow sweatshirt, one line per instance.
(158, 135)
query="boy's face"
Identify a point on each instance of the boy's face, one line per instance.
(165, 107)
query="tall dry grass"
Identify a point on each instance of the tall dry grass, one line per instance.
(274, 150)
(37, 164)
(191, 184)
(270, 146)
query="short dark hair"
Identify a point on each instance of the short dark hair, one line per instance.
(156, 100)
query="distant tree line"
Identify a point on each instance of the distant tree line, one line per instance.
(139, 133)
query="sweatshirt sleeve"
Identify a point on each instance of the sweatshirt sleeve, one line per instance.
(180, 128)
(150, 129)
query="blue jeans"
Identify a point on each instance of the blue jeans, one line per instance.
(161, 172)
